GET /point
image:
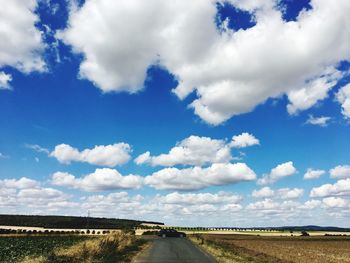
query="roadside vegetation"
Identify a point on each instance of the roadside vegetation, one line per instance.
(116, 247)
(263, 249)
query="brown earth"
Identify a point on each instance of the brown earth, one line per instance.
(282, 249)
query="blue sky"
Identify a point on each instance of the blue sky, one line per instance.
(230, 113)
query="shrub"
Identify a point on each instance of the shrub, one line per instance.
(304, 234)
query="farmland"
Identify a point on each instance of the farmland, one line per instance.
(14, 249)
(244, 248)
(115, 247)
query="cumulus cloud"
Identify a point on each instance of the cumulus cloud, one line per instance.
(200, 198)
(311, 204)
(187, 204)
(277, 173)
(340, 172)
(39, 193)
(266, 204)
(5, 80)
(340, 188)
(264, 192)
(343, 97)
(23, 194)
(196, 150)
(18, 183)
(244, 140)
(287, 193)
(313, 174)
(120, 202)
(23, 47)
(197, 178)
(230, 71)
(322, 121)
(285, 211)
(100, 180)
(172, 205)
(103, 155)
(313, 91)
(193, 150)
(282, 193)
(335, 202)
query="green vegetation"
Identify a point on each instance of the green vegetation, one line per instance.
(14, 249)
(68, 222)
(116, 247)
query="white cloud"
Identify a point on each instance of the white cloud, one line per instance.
(277, 173)
(266, 204)
(313, 174)
(177, 208)
(287, 193)
(231, 72)
(46, 198)
(244, 140)
(282, 193)
(5, 80)
(198, 178)
(340, 172)
(313, 91)
(103, 155)
(311, 204)
(23, 195)
(196, 150)
(322, 121)
(340, 188)
(193, 150)
(343, 97)
(200, 198)
(285, 211)
(120, 202)
(101, 180)
(173, 205)
(19, 183)
(37, 148)
(23, 47)
(335, 202)
(39, 193)
(263, 192)
(143, 158)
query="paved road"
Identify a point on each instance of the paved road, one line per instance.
(173, 250)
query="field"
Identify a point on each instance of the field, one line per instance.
(116, 247)
(14, 249)
(244, 248)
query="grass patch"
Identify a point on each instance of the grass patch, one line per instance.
(220, 253)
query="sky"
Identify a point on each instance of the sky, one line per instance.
(191, 113)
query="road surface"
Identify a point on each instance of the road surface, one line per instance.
(173, 250)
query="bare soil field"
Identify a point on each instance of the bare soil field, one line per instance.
(244, 248)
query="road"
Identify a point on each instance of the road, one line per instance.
(173, 250)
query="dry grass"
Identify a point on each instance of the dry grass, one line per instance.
(221, 254)
(276, 249)
(117, 247)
